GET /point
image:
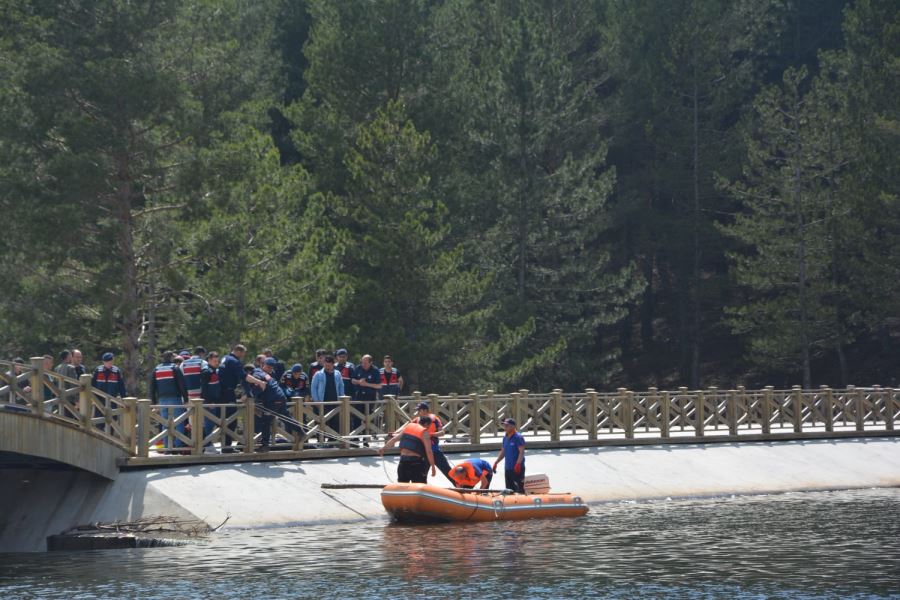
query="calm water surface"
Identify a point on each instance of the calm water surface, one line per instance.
(806, 545)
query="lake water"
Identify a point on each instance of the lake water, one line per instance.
(843, 544)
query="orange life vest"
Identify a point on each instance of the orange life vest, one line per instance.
(465, 478)
(413, 439)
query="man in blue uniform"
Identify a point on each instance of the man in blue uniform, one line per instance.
(347, 370)
(272, 398)
(366, 384)
(232, 375)
(391, 380)
(211, 392)
(514, 451)
(108, 378)
(195, 371)
(167, 389)
(295, 383)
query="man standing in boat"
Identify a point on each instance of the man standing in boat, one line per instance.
(435, 430)
(415, 447)
(514, 451)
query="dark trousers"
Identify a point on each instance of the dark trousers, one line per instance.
(515, 482)
(440, 461)
(228, 398)
(412, 469)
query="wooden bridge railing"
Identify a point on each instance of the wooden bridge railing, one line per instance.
(142, 428)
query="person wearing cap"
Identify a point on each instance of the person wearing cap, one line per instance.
(346, 369)
(232, 375)
(415, 452)
(391, 380)
(279, 369)
(108, 378)
(295, 383)
(514, 451)
(435, 431)
(472, 472)
(271, 399)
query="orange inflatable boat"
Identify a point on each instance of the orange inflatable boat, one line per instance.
(420, 502)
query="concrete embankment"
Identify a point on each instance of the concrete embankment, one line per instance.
(38, 503)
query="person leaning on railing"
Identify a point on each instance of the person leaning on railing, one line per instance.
(232, 374)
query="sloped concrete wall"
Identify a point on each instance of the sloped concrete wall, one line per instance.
(289, 493)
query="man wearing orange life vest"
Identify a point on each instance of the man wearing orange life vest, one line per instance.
(471, 472)
(436, 430)
(415, 448)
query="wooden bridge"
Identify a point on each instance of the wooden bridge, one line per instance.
(48, 416)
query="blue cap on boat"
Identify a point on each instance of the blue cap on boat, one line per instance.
(509, 421)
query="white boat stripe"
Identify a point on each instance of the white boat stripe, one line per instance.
(542, 505)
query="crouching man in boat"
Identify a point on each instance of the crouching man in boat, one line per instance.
(471, 472)
(514, 451)
(415, 448)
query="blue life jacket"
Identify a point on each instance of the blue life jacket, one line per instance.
(164, 377)
(192, 369)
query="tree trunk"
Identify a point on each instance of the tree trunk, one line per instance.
(695, 275)
(130, 325)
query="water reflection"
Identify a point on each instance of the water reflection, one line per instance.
(835, 544)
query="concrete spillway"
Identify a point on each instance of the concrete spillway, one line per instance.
(38, 503)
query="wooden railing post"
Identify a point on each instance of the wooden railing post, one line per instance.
(555, 414)
(797, 402)
(195, 418)
(391, 408)
(143, 427)
(889, 409)
(37, 385)
(474, 418)
(665, 414)
(249, 424)
(345, 417)
(591, 413)
(766, 410)
(860, 413)
(626, 412)
(85, 400)
(731, 412)
(129, 423)
(297, 413)
(700, 413)
(515, 408)
(828, 407)
(525, 410)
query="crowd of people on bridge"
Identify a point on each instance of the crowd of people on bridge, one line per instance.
(184, 376)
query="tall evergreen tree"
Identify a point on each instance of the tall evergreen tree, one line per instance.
(112, 97)
(527, 79)
(795, 212)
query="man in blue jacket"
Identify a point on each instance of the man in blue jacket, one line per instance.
(232, 375)
(327, 386)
